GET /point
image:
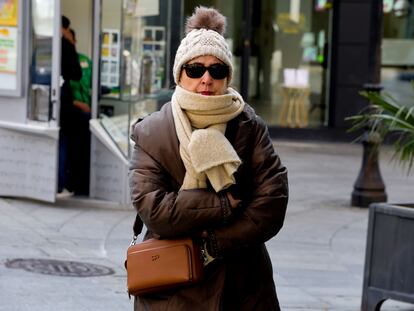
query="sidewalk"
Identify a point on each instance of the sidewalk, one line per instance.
(318, 256)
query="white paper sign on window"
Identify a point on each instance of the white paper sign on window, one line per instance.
(147, 8)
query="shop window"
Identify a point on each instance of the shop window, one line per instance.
(290, 36)
(397, 70)
(286, 34)
(134, 57)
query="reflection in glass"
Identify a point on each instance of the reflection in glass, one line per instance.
(397, 53)
(42, 14)
(133, 61)
(114, 96)
(288, 62)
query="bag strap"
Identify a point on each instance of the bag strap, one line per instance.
(137, 228)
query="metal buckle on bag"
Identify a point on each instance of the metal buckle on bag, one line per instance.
(134, 240)
(207, 258)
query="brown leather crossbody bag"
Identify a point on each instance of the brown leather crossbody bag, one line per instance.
(157, 265)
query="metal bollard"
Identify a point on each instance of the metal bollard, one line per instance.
(369, 186)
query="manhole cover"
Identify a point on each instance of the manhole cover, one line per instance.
(59, 267)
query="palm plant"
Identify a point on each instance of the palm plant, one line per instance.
(385, 116)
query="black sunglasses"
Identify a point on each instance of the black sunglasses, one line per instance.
(216, 71)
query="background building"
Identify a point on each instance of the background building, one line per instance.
(299, 63)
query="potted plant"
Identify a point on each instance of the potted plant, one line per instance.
(389, 261)
(386, 116)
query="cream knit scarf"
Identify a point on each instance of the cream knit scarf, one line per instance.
(200, 123)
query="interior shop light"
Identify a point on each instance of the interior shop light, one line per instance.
(402, 8)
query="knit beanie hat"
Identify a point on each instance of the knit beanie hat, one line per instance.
(204, 36)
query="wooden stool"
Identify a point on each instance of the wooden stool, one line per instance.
(294, 112)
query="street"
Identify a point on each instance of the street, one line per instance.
(318, 257)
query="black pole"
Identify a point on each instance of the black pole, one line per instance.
(369, 186)
(247, 24)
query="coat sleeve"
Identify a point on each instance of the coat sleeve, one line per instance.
(166, 211)
(262, 216)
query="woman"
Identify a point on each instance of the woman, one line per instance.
(204, 166)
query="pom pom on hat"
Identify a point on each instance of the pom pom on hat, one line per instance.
(204, 36)
(206, 18)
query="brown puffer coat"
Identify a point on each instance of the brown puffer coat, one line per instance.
(242, 278)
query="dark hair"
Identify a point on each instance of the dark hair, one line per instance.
(65, 22)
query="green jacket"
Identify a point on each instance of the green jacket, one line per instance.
(82, 89)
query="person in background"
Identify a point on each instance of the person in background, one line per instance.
(204, 166)
(70, 70)
(74, 119)
(82, 89)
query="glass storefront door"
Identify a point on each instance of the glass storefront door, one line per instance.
(289, 62)
(288, 57)
(45, 60)
(131, 51)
